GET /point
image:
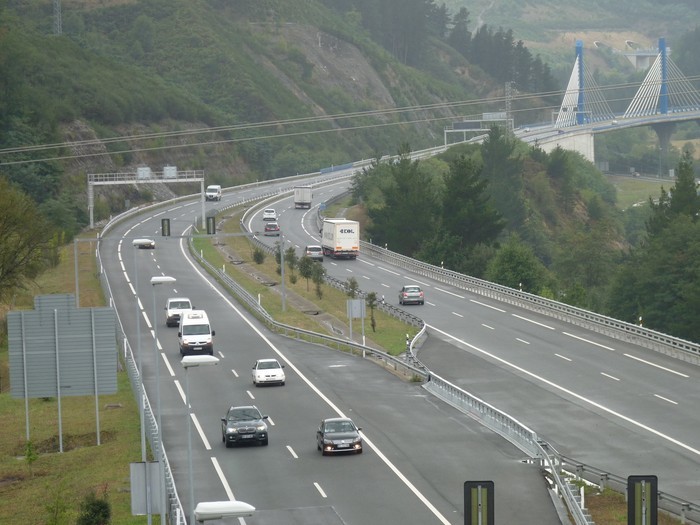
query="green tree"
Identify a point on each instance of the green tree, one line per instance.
(306, 269)
(352, 287)
(468, 212)
(503, 171)
(57, 507)
(515, 265)
(372, 304)
(25, 240)
(684, 194)
(661, 282)
(291, 259)
(318, 277)
(410, 207)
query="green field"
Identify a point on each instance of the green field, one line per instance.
(636, 190)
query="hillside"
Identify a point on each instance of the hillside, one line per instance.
(279, 81)
(551, 27)
(261, 89)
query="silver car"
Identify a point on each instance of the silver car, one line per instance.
(411, 294)
(314, 252)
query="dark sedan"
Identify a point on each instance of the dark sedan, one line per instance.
(244, 424)
(338, 434)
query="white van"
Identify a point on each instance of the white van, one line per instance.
(195, 334)
(213, 193)
(174, 307)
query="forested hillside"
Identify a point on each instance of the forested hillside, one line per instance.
(260, 89)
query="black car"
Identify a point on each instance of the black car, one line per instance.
(244, 424)
(338, 434)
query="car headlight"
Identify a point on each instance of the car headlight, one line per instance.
(232, 431)
(261, 427)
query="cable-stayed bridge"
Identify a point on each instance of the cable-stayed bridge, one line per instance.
(664, 98)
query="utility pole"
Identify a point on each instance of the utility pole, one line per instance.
(509, 108)
(57, 24)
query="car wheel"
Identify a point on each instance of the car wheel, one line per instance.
(282, 384)
(256, 384)
(264, 443)
(359, 451)
(318, 447)
(228, 444)
(422, 302)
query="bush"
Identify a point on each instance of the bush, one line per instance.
(259, 255)
(95, 510)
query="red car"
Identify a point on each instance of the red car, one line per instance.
(272, 228)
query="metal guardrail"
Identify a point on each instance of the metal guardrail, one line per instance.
(512, 430)
(687, 511)
(657, 341)
(174, 509)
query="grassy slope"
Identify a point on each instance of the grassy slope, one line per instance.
(61, 480)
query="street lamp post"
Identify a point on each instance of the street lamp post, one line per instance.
(142, 406)
(190, 361)
(156, 280)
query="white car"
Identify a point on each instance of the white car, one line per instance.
(145, 244)
(268, 372)
(269, 214)
(174, 308)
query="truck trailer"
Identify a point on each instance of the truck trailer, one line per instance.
(302, 196)
(340, 238)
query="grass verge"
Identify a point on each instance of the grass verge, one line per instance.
(48, 486)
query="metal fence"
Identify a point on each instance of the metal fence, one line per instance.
(174, 510)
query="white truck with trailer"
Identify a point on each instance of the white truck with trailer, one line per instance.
(340, 238)
(302, 196)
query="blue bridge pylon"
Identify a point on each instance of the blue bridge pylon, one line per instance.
(664, 90)
(583, 101)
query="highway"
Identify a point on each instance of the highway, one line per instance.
(606, 403)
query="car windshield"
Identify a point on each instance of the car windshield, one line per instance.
(265, 365)
(339, 426)
(195, 329)
(244, 414)
(412, 289)
(179, 305)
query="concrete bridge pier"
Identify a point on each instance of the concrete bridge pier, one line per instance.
(664, 130)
